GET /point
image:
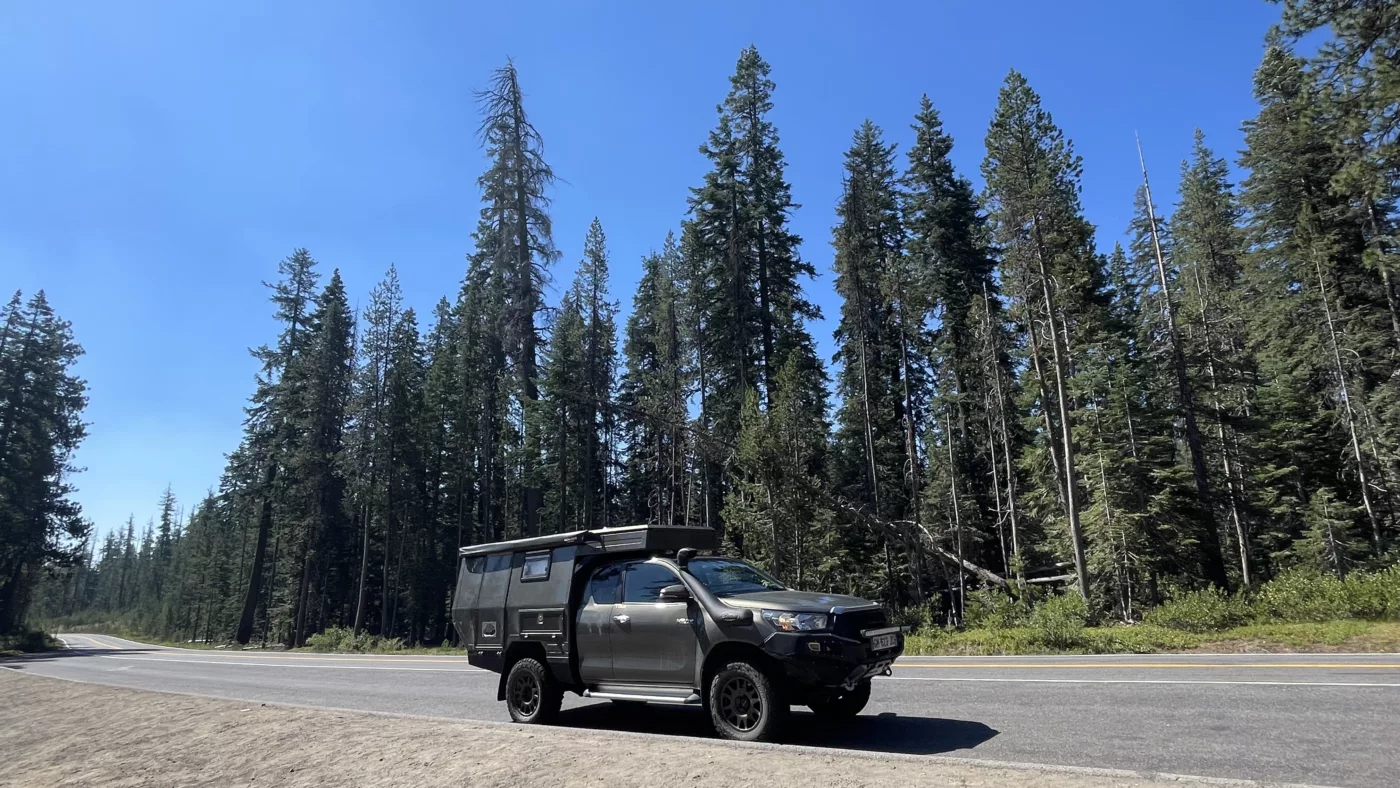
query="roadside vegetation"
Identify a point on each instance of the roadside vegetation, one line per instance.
(29, 641)
(1299, 611)
(343, 640)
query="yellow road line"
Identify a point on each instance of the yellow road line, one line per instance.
(94, 641)
(1367, 665)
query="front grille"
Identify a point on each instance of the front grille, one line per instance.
(850, 624)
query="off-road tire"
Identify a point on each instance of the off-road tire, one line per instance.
(843, 706)
(532, 696)
(745, 704)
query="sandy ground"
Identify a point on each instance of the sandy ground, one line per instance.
(60, 733)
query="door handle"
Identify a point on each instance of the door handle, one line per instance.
(621, 618)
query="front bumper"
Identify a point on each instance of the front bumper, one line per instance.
(821, 659)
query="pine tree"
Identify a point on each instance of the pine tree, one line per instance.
(269, 426)
(770, 517)
(371, 440)
(563, 416)
(652, 397)
(599, 377)
(1318, 320)
(1208, 249)
(871, 458)
(41, 406)
(404, 477)
(742, 271)
(1051, 268)
(948, 278)
(515, 235)
(317, 497)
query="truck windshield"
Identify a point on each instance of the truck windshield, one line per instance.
(726, 577)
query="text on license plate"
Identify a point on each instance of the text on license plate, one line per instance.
(882, 642)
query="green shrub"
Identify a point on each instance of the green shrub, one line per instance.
(29, 641)
(1374, 596)
(1300, 596)
(343, 639)
(1059, 621)
(1208, 610)
(991, 609)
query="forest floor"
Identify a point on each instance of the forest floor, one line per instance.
(59, 733)
(1322, 637)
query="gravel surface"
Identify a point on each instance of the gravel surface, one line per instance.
(62, 733)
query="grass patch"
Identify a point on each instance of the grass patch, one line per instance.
(1360, 636)
(30, 641)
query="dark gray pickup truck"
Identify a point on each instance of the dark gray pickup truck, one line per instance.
(637, 615)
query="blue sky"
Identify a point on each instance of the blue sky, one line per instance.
(158, 159)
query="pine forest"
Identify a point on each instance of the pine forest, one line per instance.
(1013, 411)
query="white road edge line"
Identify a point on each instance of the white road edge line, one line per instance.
(1144, 681)
(1088, 771)
(291, 664)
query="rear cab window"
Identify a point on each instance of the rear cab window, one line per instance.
(644, 582)
(606, 586)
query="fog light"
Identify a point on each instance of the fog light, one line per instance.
(813, 645)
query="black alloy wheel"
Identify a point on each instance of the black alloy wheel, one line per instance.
(531, 696)
(744, 703)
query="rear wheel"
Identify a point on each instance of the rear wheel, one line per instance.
(744, 703)
(845, 705)
(532, 697)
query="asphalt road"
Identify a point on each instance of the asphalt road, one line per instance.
(1323, 719)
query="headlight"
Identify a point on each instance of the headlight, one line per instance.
(795, 622)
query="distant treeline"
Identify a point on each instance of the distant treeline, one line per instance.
(1009, 406)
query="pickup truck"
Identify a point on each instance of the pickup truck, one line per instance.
(636, 614)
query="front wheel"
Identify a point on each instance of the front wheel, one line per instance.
(531, 694)
(744, 704)
(845, 705)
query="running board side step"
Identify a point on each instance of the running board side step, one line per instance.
(689, 700)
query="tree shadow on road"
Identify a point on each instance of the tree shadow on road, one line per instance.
(886, 732)
(18, 661)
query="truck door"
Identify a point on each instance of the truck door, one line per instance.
(595, 627)
(653, 642)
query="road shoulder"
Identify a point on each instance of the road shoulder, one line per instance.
(67, 733)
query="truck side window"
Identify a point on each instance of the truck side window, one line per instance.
(606, 586)
(645, 581)
(536, 566)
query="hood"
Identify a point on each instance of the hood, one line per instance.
(797, 601)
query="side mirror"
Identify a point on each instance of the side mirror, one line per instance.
(675, 593)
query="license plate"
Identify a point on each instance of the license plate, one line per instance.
(882, 642)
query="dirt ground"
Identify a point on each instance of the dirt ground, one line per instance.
(59, 733)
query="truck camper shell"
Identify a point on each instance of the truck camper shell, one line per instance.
(522, 590)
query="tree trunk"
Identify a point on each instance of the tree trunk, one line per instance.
(1348, 410)
(1061, 366)
(1233, 493)
(364, 569)
(254, 590)
(1214, 561)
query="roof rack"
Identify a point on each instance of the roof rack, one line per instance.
(621, 539)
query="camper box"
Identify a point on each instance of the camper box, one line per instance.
(524, 590)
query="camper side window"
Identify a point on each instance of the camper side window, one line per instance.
(536, 566)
